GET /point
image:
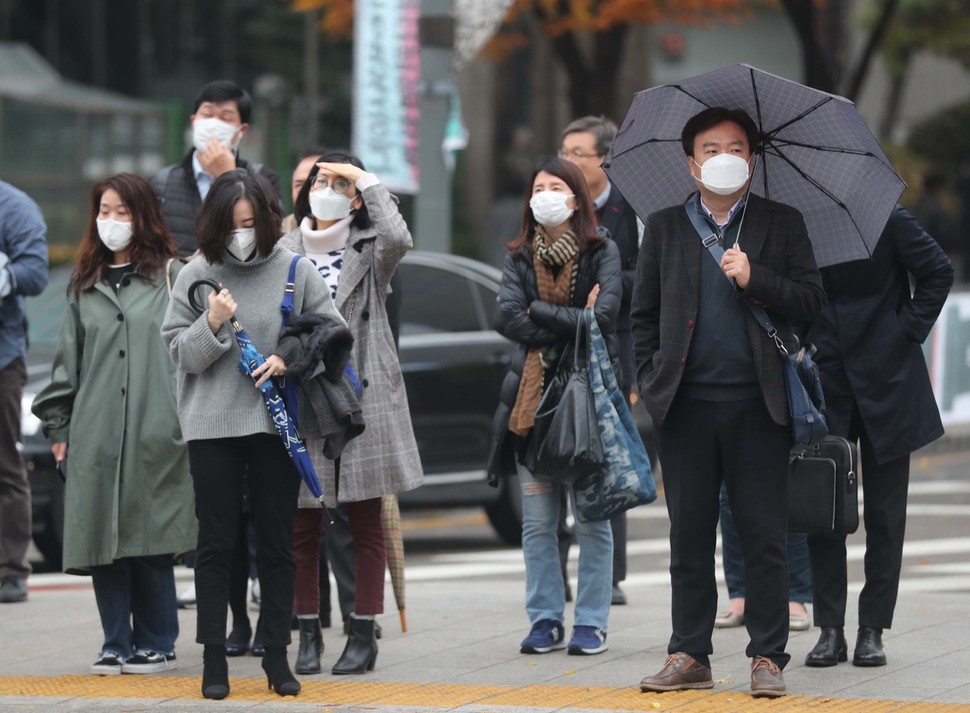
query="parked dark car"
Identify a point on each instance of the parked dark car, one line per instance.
(453, 364)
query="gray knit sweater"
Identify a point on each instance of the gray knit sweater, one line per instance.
(216, 400)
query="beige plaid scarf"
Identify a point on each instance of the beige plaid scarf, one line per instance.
(564, 254)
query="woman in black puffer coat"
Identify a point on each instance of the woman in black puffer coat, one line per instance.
(557, 265)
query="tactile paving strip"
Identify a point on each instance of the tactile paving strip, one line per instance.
(392, 696)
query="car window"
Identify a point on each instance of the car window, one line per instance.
(434, 300)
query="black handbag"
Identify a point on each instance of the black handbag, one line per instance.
(823, 497)
(566, 434)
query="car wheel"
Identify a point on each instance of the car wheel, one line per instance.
(505, 514)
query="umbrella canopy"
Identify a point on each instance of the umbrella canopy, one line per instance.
(394, 544)
(816, 154)
(249, 360)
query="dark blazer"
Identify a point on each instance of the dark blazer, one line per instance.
(784, 280)
(546, 324)
(178, 194)
(621, 222)
(869, 336)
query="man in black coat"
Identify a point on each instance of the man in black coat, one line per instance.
(220, 119)
(877, 391)
(585, 142)
(712, 380)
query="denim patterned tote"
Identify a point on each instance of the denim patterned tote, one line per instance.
(627, 479)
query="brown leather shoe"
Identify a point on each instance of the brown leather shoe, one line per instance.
(766, 679)
(680, 672)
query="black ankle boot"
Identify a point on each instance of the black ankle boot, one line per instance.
(278, 675)
(215, 672)
(360, 653)
(311, 646)
(868, 647)
(830, 649)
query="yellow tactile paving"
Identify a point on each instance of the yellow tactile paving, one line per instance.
(391, 696)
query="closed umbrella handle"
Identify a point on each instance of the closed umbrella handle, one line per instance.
(193, 299)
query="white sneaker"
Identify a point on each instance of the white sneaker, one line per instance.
(186, 599)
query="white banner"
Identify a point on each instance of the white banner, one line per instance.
(475, 23)
(387, 68)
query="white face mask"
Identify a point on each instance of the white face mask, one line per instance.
(724, 174)
(203, 130)
(241, 243)
(327, 204)
(549, 208)
(115, 234)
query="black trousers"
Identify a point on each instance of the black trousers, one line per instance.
(703, 443)
(884, 486)
(217, 467)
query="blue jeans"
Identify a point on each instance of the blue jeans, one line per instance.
(799, 569)
(545, 593)
(136, 600)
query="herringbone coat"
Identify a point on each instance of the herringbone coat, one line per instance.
(784, 280)
(384, 458)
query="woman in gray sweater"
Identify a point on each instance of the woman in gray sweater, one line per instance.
(232, 441)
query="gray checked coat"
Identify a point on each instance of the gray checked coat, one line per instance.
(384, 458)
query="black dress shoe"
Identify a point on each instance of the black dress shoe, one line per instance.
(830, 648)
(868, 647)
(618, 597)
(237, 643)
(259, 649)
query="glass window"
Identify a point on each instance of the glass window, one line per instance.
(435, 300)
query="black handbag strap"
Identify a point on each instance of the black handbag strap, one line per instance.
(712, 244)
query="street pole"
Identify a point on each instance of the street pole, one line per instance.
(433, 201)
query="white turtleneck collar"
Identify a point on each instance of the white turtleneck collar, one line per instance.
(327, 240)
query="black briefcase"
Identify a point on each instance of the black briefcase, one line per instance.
(823, 495)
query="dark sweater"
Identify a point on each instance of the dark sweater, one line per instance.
(178, 194)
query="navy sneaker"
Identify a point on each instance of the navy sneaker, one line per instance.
(587, 640)
(546, 635)
(148, 662)
(108, 664)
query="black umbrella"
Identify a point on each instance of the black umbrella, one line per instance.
(817, 154)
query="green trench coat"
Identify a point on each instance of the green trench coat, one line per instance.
(112, 399)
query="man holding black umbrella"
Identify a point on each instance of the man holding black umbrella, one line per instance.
(712, 380)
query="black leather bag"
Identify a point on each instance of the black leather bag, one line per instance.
(823, 495)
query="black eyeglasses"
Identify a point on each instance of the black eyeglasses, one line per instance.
(576, 154)
(339, 184)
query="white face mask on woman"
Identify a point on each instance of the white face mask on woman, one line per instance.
(241, 243)
(723, 174)
(549, 208)
(115, 234)
(203, 130)
(327, 204)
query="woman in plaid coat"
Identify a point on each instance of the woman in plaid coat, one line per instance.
(351, 229)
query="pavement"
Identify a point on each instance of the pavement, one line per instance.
(460, 653)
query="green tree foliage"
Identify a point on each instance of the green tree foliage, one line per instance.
(943, 140)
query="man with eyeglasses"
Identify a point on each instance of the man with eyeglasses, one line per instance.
(585, 142)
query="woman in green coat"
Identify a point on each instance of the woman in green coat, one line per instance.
(111, 406)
